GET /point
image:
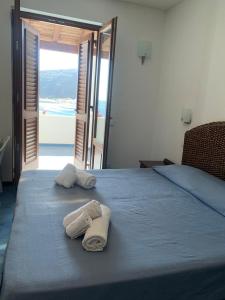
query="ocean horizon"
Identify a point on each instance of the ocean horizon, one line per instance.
(63, 107)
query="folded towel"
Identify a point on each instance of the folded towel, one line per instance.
(67, 177)
(79, 226)
(85, 179)
(95, 238)
(92, 208)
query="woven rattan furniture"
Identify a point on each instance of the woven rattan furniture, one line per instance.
(204, 148)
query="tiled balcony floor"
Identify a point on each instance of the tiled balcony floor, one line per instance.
(56, 150)
(55, 157)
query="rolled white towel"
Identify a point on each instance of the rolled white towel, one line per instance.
(85, 179)
(67, 177)
(95, 238)
(92, 208)
(79, 225)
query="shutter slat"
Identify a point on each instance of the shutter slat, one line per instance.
(31, 64)
(83, 94)
(30, 127)
(81, 101)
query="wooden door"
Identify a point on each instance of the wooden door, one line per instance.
(30, 96)
(103, 93)
(83, 100)
(17, 89)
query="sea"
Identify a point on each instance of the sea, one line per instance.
(64, 107)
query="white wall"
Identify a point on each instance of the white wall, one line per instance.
(56, 129)
(135, 86)
(214, 101)
(192, 73)
(146, 111)
(61, 129)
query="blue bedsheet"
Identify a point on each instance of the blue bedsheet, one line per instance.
(207, 188)
(164, 242)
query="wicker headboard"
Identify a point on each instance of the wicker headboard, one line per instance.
(204, 148)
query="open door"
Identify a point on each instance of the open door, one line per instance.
(83, 100)
(30, 96)
(103, 93)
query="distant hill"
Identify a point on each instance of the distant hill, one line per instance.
(58, 84)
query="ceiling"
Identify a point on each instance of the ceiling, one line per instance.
(58, 37)
(161, 4)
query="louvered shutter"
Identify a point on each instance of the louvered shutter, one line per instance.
(83, 100)
(30, 95)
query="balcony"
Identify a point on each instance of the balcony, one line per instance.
(56, 141)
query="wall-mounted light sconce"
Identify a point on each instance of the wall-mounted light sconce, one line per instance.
(144, 50)
(186, 116)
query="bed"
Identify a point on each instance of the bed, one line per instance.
(166, 238)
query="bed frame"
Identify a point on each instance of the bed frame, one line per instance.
(204, 148)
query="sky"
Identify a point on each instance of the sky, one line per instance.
(57, 60)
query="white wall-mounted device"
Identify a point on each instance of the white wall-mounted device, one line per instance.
(186, 116)
(144, 50)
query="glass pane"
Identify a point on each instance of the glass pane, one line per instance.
(98, 158)
(103, 84)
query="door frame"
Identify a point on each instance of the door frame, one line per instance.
(113, 23)
(109, 102)
(16, 16)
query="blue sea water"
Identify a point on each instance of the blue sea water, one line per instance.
(53, 108)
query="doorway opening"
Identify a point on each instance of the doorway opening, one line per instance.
(57, 103)
(58, 82)
(63, 73)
